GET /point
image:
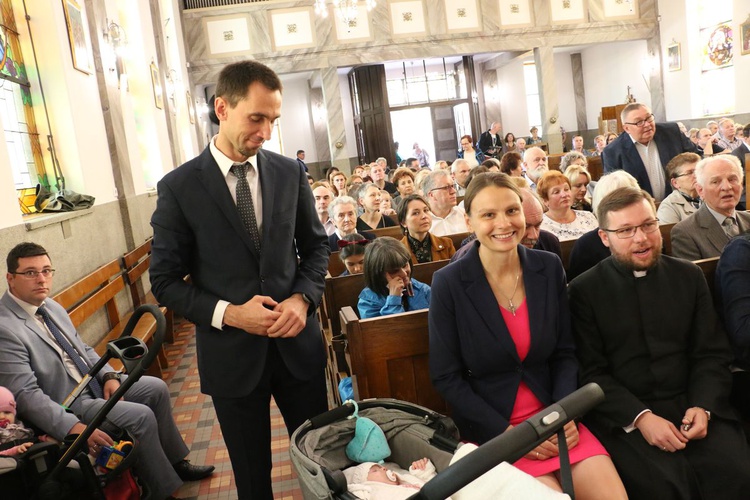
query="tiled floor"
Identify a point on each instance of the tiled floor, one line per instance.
(196, 419)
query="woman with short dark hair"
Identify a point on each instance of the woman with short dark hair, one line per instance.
(416, 221)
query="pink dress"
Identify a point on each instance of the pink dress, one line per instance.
(527, 404)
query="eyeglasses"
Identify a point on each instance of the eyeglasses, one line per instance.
(624, 233)
(641, 123)
(32, 274)
(685, 173)
(447, 188)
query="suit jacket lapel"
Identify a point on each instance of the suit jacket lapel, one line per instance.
(30, 322)
(715, 235)
(216, 185)
(268, 182)
(479, 292)
(635, 159)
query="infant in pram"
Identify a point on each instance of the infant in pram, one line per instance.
(15, 438)
(372, 481)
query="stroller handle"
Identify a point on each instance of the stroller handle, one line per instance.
(513, 444)
(139, 367)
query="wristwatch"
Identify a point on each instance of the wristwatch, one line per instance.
(111, 376)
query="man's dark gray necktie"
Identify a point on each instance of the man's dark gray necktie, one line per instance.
(94, 385)
(245, 203)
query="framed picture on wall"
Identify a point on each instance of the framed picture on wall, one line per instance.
(674, 58)
(80, 48)
(158, 93)
(745, 38)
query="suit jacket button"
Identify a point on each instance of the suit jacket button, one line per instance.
(262, 279)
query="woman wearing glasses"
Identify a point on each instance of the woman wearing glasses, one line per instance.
(684, 200)
(501, 347)
(561, 219)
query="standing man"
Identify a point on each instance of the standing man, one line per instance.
(301, 159)
(645, 149)
(662, 359)
(241, 222)
(421, 155)
(490, 142)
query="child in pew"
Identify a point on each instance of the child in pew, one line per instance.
(352, 253)
(15, 438)
(389, 288)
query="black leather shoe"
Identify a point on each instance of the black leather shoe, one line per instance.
(190, 472)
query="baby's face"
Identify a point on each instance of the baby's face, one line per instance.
(380, 474)
(6, 418)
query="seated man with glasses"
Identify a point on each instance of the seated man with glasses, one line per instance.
(645, 149)
(659, 354)
(683, 201)
(42, 359)
(440, 190)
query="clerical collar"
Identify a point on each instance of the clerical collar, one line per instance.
(640, 274)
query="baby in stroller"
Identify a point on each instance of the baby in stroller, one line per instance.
(15, 438)
(372, 481)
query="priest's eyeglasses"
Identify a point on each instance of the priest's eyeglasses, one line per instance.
(32, 274)
(624, 233)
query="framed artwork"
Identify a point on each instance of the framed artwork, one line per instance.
(292, 28)
(462, 16)
(227, 35)
(80, 48)
(156, 83)
(617, 9)
(407, 18)
(355, 30)
(567, 11)
(674, 57)
(745, 38)
(191, 107)
(515, 13)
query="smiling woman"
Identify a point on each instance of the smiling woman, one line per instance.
(561, 220)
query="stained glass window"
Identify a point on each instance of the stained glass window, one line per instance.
(21, 136)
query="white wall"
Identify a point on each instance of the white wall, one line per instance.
(296, 121)
(512, 95)
(606, 83)
(565, 94)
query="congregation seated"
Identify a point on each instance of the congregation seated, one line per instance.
(486, 309)
(352, 253)
(683, 201)
(705, 233)
(440, 191)
(403, 178)
(588, 249)
(323, 197)
(460, 170)
(389, 288)
(343, 210)
(535, 165)
(560, 219)
(658, 352)
(579, 178)
(369, 199)
(512, 164)
(573, 158)
(414, 217)
(338, 183)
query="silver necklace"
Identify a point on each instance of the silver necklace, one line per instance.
(511, 307)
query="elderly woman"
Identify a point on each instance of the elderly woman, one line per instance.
(573, 158)
(403, 178)
(512, 164)
(501, 347)
(472, 156)
(389, 288)
(414, 217)
(369, 199)
(561, 219)
(579, 178)
(352, 253)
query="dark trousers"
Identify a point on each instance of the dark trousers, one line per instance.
(246, 422)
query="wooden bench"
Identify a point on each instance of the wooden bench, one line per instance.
(389, 358)
(708, 266)
(136, 263)
(98, 291)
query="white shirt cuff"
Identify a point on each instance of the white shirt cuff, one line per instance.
(217, 321)
(631, 427)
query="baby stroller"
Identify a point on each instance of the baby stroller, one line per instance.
(318, 454)
(42, 472)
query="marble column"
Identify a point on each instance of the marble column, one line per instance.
(335, 118)
(320, 131)
(656, 80)
(579, 92)
(548, 101)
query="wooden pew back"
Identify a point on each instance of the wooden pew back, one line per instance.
(389, 357)
(708, 266)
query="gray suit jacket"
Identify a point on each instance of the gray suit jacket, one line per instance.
(700, 236)
(34, 371)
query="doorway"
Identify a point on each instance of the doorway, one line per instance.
(411, 126)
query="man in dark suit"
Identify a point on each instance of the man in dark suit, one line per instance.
(301, 159)
(241, 222)
(662, 360)
(490, 142)
(645, 149)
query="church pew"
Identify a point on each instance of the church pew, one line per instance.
(666, 236)
(393, 232)
(389, 357)
(708, 266)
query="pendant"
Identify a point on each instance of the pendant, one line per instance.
(511, 307)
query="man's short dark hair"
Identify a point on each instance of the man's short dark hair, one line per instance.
(618, 199)
(235, 79)
(403, 207)
(300, 151)
(411, 160)
(384, 254)
(22, 250)
(680, 160)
